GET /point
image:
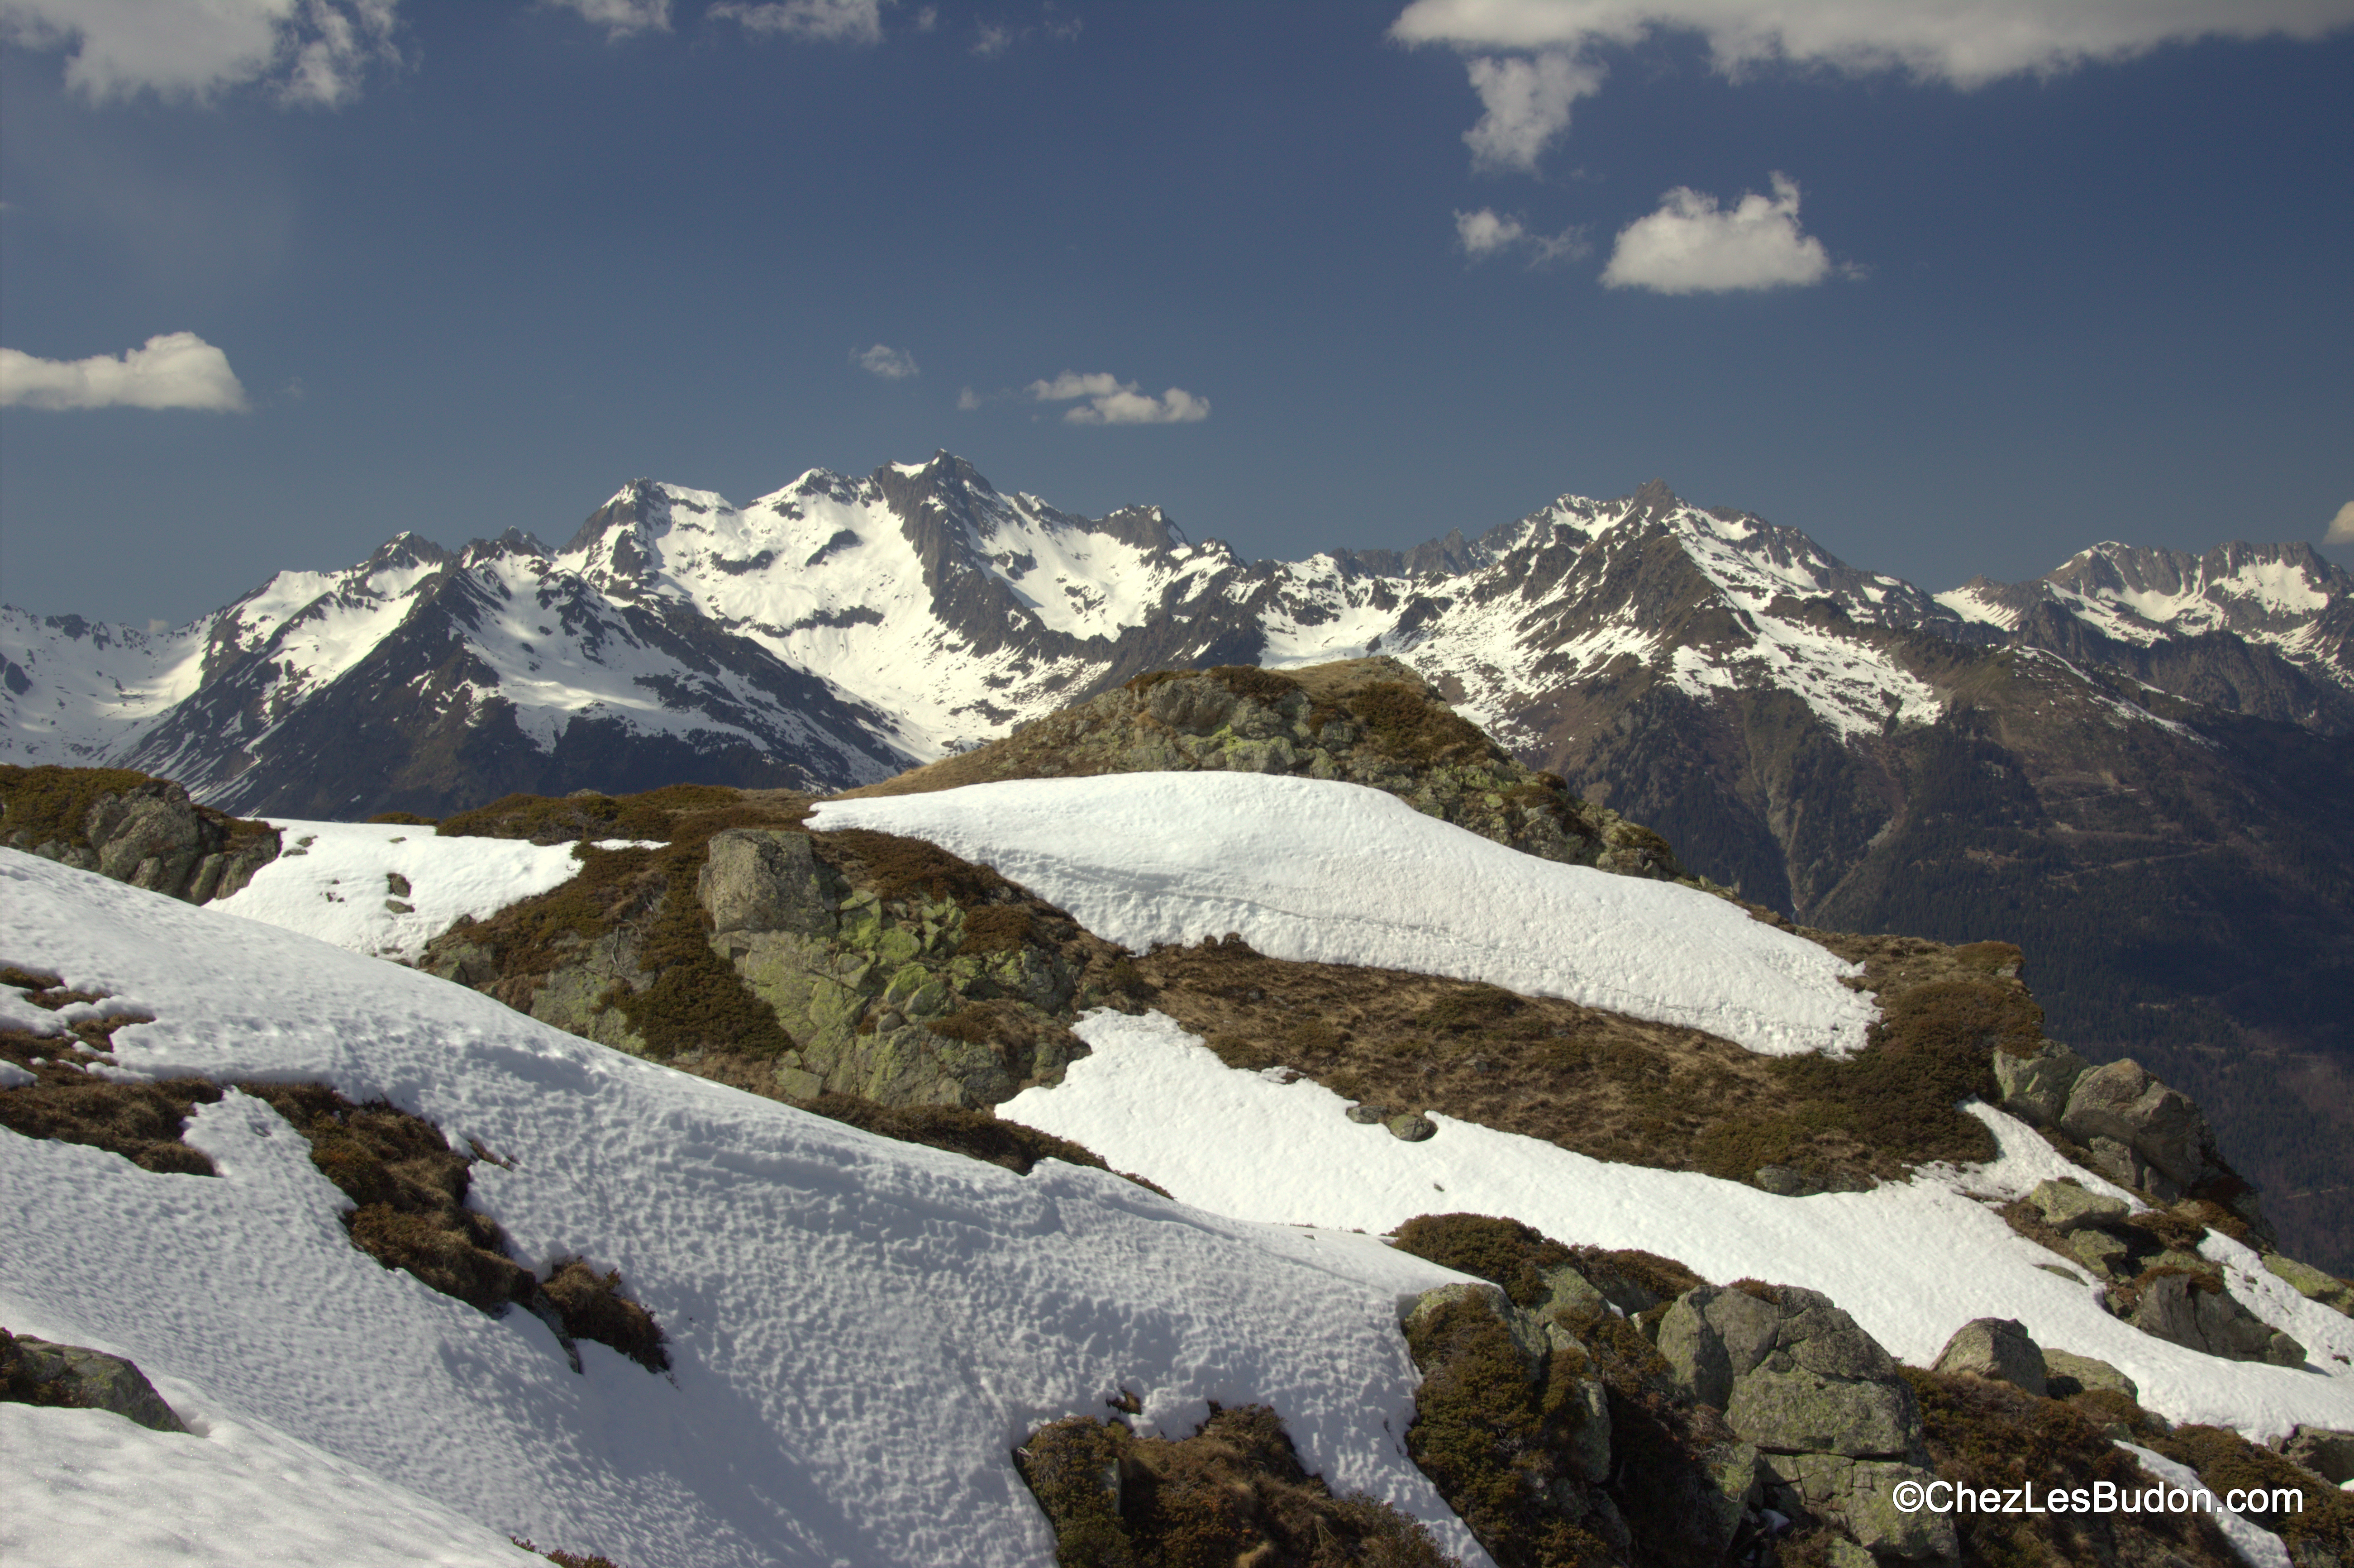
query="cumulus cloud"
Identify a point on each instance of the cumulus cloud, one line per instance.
(1692, 245)
(1967, 44)
(1527, 105)
(310, 52)
(2341, 528)
(1105, 400)
(967, 399)
(620, 18)
(810, 21)
(890, 364)
(1487, 233)
(173, 370)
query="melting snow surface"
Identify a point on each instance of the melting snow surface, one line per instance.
(860, 1329)
(1913, 1261)
(1329, 873)
(332, 881)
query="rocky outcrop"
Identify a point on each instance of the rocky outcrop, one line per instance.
(2326, 1451)
(2066, 1373)
(2311, 1283)
(124, 825)
(1836, 1427)
(35, 1372)
(1362, 721)
(1996, 1348)
(2192, 1309)
(2141, 1133)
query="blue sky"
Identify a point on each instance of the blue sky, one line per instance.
(1954, 289)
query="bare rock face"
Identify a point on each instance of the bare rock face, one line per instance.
(2143, 1133)
(2184, 1310)
(126, 826)
(763, 879)
(2036, 1089)
(1996, 1348)
(1795, 1373)
(74, 1375)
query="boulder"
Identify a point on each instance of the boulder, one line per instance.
(2312, 1283)
(1996, 1348)
(89, 1379)
(2097, 1250)
(2141, 1133)
(2066, 1372)
(1796, 1374)
(1859, 1496)
(152, 835)
(2326, 1451)
(764, 879)
(2067, 1207)
(2181, 1309)
(1413, 1126)
(2035, 1088)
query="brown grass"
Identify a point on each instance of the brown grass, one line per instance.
(1603, 1084)
(2228, 1462)
(1983, 1434)
(1233, 1493)
(975, 1134)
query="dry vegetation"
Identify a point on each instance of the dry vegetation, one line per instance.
(406, 1185)
(1617, 1087)
(1233, 1493)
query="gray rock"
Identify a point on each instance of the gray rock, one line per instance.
(1413, 1126)
(2098, 1250)
(764, 879)
(1789, 1410)
(2035, 1088)
(2173, 1308)
(1782, 1180)
(153, 836)
(2086, 1373)
(99, 1382)
(1711, 1336)
(396, 884)
(1996, 1347)
(2326, 1451)
(2067, 1207)
(1858, 1496)
(2312, 1283)
(2129, 1119)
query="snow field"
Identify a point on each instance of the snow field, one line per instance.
(860, 1329)
(1912, 1261)
(330, 881)
(1329, 873)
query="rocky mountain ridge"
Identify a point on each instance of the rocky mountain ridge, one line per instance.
(2119, 766)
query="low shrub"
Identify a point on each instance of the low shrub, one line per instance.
(1233, 1492)
(592, 1307)
(1505, 1253)
(2228, 1462)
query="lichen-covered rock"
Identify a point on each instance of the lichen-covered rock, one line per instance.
(1860, 1496)
(763, 879)
(1413, 1126)
(2065, 1373)
(74, 1375)
(1363, 721)
(133, 829)
(2036, 1089)
(2066, 1207)
(1996, 1347)
(2184, 1308)
(2312, 1283)
(2141, 1133)
(1795, 1373)
(2327, 1452)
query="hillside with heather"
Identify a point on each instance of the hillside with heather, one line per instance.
(1253, 1113)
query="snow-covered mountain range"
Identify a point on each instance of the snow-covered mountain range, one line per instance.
(840, 629)
(2118, 765)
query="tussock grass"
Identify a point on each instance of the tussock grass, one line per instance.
(1233, 1493)
(1984, 1434)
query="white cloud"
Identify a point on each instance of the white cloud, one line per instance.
(1527, 103)
(2341, 528)
(174, 370)
(1692, 245)
(1111, 401)
(620, 18)
(312, 52)
(1487, 233)
(967, 399)
(1967, 43)
(990, 40)
(812, 21)
(890, 364)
